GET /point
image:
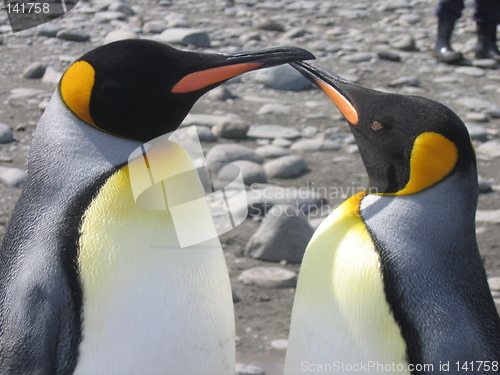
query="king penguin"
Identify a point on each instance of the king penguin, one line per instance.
(85, 287)
(392, 281)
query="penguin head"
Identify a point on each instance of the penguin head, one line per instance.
(141, 89)
(407, 143)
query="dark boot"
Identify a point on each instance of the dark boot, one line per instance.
(443, 51)
(487, 41)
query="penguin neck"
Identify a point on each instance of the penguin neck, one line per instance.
(433, 273)
(455, 194)
(67, 155)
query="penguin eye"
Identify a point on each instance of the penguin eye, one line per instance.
(376, 125)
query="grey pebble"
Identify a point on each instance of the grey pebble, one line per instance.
(488, 216)
(234, 129)
(270, 25)
(283, 77)
(252, 173)
(272, 132)
(484, 185)
(178, 22)
(476, 104)
(288, 166)
(243, 369)
(195, 133)
(493, 113)
(269, 277)
(393, 5)
(296, 32)
(119, 34)
(51, 76)
(404, 42)
(332, 47)
(310, 131)
(42, 106)
(108, 16)
(352, 149)
(24, 93)
(359, 57)
(221, 93)
(280, 344)
(122, 8)
(185, 36)
(262, 142)
(36, 70)
(316, 144)
(49, 30)
(274, 109)
(485, 63)
(477, 117)
(315, 222)
(389, 55)
(410, 18)
(12, 177)
(494, 283)
(73, 35)
(405, 81)
(222, 154)
(447, 79)
(271, 151)
(253, 35)
(236, 299)
(6, 135)
(209, 120)
(470, 71)
(282, 142)
(283, 235)
(154, 27)
(489, 150)
(477, 132)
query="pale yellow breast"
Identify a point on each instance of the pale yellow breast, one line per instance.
(148, 303)
(340, 310)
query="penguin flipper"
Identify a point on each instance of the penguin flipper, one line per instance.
(40, 297)
(37, 323)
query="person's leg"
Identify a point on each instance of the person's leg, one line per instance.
(450, 9)
(487, 17)
(447, 12)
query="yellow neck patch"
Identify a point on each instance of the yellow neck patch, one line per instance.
(76, 88)
(433, 157)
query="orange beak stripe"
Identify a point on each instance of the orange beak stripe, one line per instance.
(340, 101)
(204, 78)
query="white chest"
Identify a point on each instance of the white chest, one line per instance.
(150, 307)
(340, 315)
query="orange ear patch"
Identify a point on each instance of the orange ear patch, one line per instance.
(76, 88)
(344, 105)
(433, 157)
(204, 78)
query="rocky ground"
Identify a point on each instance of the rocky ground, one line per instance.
(383, 44)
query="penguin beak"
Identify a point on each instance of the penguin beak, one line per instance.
(235, 64)
(333, 86)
